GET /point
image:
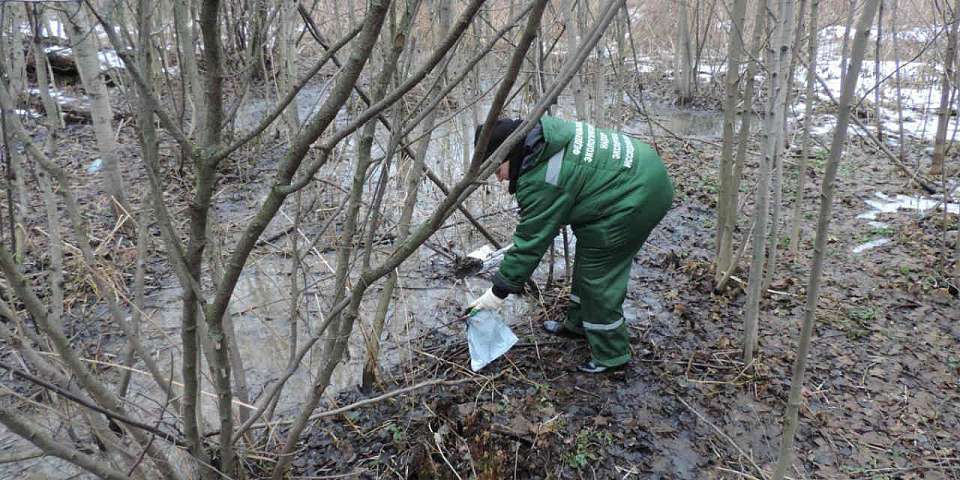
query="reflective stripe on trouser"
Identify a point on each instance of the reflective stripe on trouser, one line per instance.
(601, 272)
(600, 282)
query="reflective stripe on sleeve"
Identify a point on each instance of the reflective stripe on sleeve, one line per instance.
(553, 168)
(574, 298)
(603, 326)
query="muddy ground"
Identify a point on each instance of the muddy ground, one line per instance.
(881, 397)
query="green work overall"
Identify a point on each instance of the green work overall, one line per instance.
(612, 190)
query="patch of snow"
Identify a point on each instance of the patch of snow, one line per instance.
(645, 68)
(920, 103)
(59, 50)
(109, 59)
(55, 29)
(883, 203)
(871, 244)
(27, 113)
(833, 32)
(56, 95)
(824, 126)
(918, 34)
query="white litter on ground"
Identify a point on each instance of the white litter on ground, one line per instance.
(482, 253)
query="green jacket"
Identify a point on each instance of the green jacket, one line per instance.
(582, 175)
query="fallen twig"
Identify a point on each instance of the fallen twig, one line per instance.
(367, 401)
(715, 428)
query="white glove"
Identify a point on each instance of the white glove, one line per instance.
(487, 301)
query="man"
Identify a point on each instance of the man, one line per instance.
(612, 190)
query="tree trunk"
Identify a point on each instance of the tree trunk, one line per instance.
(726, 211)
(53, 123)
(897, 79)
(786, 66)
(573, 39)
(189, 72)
(287, 39)
(845, 50)
(16, 197)
(88, 64)
(773, 123)
(683, 71)
(787, 137)
(743, 136)
(389, 66)
(813, 286)
(943, 118)
(878, 86)
(809, 102)
(371, 370)
(11, 47)
(17, 70)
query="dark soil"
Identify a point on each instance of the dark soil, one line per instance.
(881, 391)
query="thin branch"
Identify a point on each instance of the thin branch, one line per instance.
(723, 435)
(14, 420)
(450, 85)
(364, 402)
(458, 194)
(280, 107)
(150, 97)
(170, 437)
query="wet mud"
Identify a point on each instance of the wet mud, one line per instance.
(881, 392)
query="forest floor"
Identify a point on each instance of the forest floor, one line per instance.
(882, 398)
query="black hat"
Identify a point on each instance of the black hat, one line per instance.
(502, 129)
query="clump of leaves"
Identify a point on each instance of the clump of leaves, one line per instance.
(588, 447)
(859, 321)
(881, 231)
(396, 433)
(862, 315)
(819, 160)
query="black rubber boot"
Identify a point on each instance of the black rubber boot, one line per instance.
(590, 367)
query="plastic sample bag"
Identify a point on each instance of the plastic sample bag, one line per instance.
(488, 337)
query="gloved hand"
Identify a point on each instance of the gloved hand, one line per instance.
(487, 301)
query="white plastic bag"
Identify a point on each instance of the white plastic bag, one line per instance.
(488, 337)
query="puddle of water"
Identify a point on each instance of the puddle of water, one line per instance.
(871, 244)
(260, 313)
(260, 310)
(684, 123)
(253, 110)
(37, 468)
(697, 124)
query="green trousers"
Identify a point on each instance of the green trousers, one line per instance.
(601, 271)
